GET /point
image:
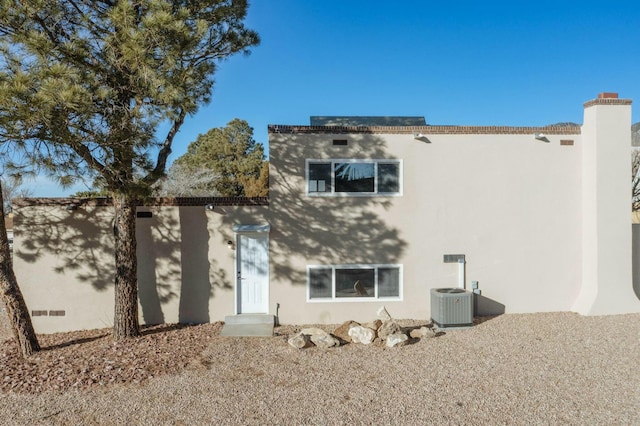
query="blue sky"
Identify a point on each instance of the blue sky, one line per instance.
(453, 62)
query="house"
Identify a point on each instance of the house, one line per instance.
(363, 212)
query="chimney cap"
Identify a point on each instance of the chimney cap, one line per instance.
(608, 95)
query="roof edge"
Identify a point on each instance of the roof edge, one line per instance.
(607, 101)
(427, 130)
(150, 202)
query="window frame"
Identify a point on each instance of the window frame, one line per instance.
(374, 266)
(333, 161)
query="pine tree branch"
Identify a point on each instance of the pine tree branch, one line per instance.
(163, 155)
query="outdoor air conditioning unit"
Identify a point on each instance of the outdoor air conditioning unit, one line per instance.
(451, 307)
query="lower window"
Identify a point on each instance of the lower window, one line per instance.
(345, 282)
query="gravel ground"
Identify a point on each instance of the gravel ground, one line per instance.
(551, 368)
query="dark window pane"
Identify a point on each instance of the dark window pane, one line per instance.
(388, 282)
(355, 283)
(319, 177)
(319, 283)
(354, 177)
(388, 177)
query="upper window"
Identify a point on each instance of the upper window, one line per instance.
(348, 282)
(354, 177)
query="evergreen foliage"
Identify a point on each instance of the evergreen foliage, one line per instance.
(84, 85)
(231, 154)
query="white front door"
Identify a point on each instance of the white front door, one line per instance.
(253, 273)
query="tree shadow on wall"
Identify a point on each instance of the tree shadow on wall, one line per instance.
(158, 253)
(173, 262)
(79, 241)
(325, 230)
(200, 275)
(172, 255)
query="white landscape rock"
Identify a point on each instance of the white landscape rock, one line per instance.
(324, 341)
(397, 339)
(300, 341)
(360, 334)
(313, 336)
(383, 314)
(342, 332)
(422, 332)
(388, 328)
(313, 331)
(375, 324)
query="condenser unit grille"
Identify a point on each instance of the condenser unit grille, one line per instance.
(451, 307)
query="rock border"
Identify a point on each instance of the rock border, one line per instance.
(384, 330)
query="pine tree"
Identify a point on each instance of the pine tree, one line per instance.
(257, 187)
(12, 296)
(233, 155)
(86, 83)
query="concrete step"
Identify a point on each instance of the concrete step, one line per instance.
(248, 325)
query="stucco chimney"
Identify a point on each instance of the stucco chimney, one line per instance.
(607, 285)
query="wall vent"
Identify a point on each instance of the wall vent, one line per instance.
(340, 142)
(451, 307)
(453, 258)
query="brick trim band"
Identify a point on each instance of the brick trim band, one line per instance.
(426, 130)
(607, 101)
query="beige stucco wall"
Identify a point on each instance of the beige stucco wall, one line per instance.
(509, 203)
(63, 261)
(186, 270)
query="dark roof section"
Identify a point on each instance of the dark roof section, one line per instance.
(565, 124)
(348, 121)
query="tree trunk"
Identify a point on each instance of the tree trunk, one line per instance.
(17, 310)
(126, 282)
